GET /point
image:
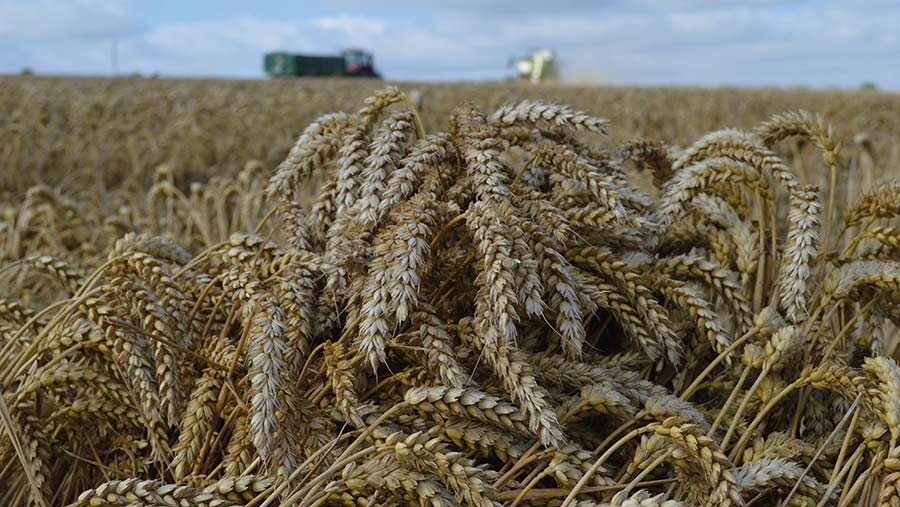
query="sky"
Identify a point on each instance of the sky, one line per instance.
(817, 43)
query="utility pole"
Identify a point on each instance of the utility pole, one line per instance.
(114, 54)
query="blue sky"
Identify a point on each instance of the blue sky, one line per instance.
(708, 42)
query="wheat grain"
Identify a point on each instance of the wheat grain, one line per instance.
(530, 312)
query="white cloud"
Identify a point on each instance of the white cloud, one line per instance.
(713, 42)
(64, 19)
(355, 25)
(206, 38)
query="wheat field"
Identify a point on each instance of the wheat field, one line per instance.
(338, 292)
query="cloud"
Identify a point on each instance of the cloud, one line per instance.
(63, 35)
(207, 38)
(64, 19)
(234, 47)
(656, 41)
(354, 25)
(712, 42)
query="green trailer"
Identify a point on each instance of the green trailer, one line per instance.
(351, 62)
(280, 64)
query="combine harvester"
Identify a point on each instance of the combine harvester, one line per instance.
(351, 63)
(537, 67)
